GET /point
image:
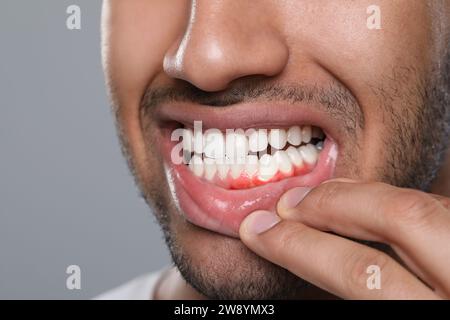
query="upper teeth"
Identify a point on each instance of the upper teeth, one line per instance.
(237, 144)
(213, 143)
(277, 138)
(306, 134)
(257, 140)
(294, 135)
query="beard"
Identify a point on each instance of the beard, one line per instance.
(417, 122)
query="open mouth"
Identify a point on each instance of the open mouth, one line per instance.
(270, 155)
(249, 158)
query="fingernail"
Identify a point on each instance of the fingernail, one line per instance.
(260, 221)
(293, 197)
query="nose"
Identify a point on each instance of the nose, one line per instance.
(224, 41)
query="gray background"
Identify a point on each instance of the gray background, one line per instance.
(66, 196)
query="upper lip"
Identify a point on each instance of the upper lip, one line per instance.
(250, 115)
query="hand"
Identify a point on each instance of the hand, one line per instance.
(416, 225)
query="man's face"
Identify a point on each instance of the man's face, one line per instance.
(377, 95)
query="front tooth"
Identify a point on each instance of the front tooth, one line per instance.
(241, 146)
(214, 144)
(251, 165)
(294, 135)
(188, 140)
(309, 153)
(306, 134)
(236, 170)
(210, 168)
(237, 146)
(222, 168)
(196, 165)
(294, 156)
(268, 167)
(198, 142)
(277, 138)
(284, 163)
(257, 140)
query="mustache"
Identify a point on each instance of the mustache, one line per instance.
(334, 99)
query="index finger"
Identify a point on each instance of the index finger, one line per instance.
(333, 263)
(414, 223)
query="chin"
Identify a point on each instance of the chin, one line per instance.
(221, 267)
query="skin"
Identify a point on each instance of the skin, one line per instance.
(387, 156)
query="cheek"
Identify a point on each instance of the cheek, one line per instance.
(136, 35)
(139, 33)
(335, 36)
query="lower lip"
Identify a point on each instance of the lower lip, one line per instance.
(221, 210)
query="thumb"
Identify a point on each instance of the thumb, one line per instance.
(258, 222)
(260, 231)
